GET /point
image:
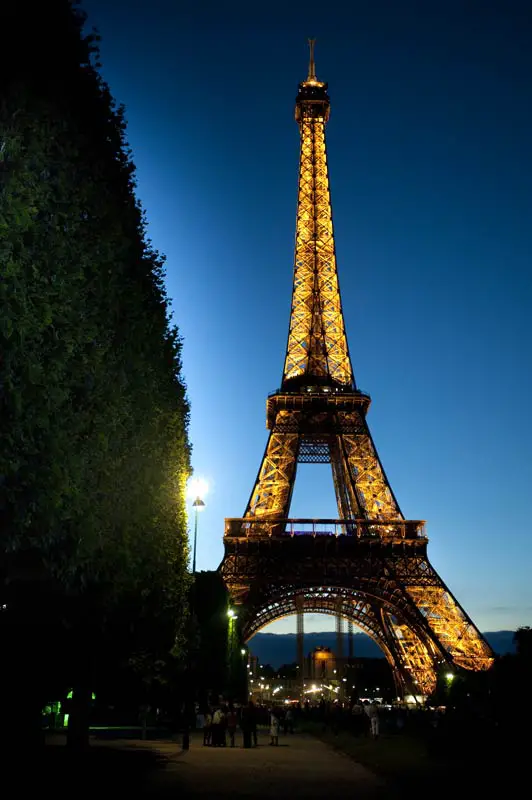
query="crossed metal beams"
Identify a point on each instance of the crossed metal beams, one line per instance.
(317, 343)
(361, 484)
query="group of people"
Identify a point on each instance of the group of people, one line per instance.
(222, 721)
(361, 718)
(217, 723)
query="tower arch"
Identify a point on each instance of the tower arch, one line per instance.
(383, 621)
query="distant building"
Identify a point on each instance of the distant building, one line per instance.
(253, 666)
(321, 664)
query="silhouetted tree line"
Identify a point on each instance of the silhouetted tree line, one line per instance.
(217, 663)
(491, 705)
(94, 452)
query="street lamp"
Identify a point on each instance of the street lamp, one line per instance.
(198, 505)
(197, 488)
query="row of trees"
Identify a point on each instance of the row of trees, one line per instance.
(486, 723)
(94, 453)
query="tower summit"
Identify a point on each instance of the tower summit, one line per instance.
(317, 351)
(369, 566)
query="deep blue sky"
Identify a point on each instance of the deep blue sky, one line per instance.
(429, 144)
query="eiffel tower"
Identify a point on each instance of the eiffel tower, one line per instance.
(370, 566)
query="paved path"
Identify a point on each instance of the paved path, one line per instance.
(299, 767)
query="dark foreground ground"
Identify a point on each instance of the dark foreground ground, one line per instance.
(302, 766)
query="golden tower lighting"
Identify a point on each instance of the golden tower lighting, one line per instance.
(370, 565)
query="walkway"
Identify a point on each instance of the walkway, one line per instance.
(299, 767)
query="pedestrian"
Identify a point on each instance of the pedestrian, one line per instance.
(207, 727)
(246, 726)
(373, 714)
(357, 718)
(252, 719)
(231, 724)
(289, 720)
(274, 727)
(223, 727)
(218, 733)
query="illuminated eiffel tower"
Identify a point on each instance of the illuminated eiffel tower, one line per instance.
(370, 566)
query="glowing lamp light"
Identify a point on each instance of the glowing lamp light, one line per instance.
(243, 652)
(197, 488)
(450, 676)
(231, 613)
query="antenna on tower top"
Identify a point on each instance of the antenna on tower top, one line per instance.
(312, 65)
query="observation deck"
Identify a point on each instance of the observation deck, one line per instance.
(394, 530)
(314, 399)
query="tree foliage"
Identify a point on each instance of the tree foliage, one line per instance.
(210, 642)
(93, 416)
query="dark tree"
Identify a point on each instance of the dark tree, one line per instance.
(288, 671)
(93, 412)
(218, 657)
(523, 643)
(266, 671)
(209, 638)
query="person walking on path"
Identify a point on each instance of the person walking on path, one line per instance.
(218, 728)
(274, 727)
(373, 714)
(231, 725)
(289, 721)
(207, 728)
(245, 724)
(252, 717)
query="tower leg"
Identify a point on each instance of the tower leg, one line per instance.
(340, 648)
(350, 640)
(300, 640)
(398, 683)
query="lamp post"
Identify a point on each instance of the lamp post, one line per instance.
(197, 488)
(231, 633)
(198, 505)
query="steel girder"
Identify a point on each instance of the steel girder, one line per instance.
(273, 488)
(360, 465)
(361, 484)
(317, 343)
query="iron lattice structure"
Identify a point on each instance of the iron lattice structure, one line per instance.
(370, 566)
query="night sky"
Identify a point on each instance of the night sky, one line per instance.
(429, 147)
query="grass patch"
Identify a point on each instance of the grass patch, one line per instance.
(405, 762)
